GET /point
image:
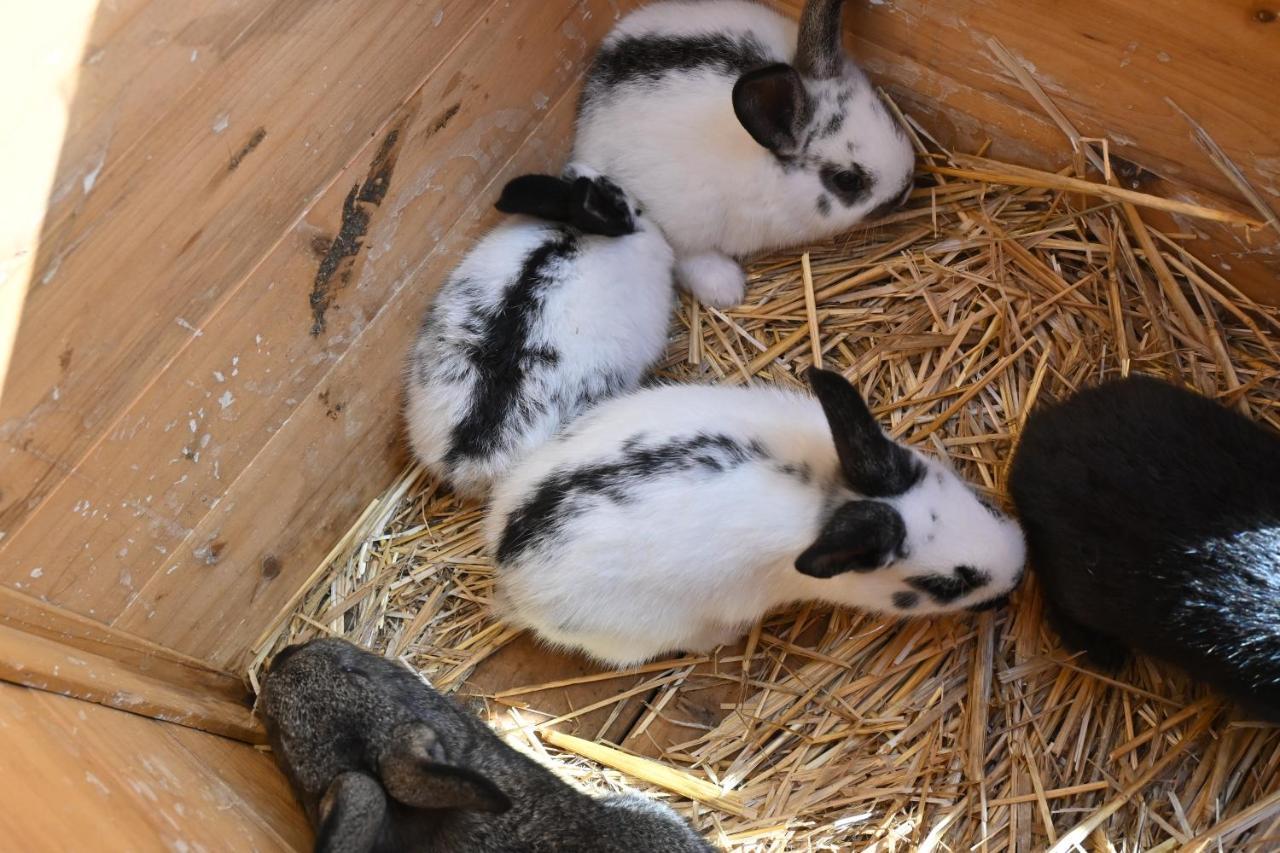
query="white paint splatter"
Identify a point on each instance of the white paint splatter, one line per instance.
(437, 17)
(222, 122)
(226, 399)
(1164, 57)
(192, 424)
(217, 374)
(204, 440)
(91, 177)
(97, 783)
(37, 573)
(540, 101)
(190, 328)
(195, 54)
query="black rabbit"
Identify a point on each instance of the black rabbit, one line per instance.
(1152, 517)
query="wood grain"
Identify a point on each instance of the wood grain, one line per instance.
(79, 776)
(45, 664)
(75, 632)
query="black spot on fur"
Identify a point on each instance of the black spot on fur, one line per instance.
(566, 491)
(801, 472)
(945, 589)
(832, 127)
(501, 355)
(824, 204)
(850, 184)
(645, 59)
(905, 600)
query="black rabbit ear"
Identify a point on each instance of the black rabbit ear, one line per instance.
(352, 813)
(861, 536)
(773, 105)
(544, 196)
(874, 465)
(414, 773)
(599, 207)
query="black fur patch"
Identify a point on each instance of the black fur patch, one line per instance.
(501, 355)
(645, 59)
(850, 184)
(945, 589)
(566, 492)
(824, 204)
(905, 600)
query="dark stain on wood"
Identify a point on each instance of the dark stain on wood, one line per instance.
(270, 567)
(440, 122)
(332, 409)
(1265, 16)
(320, 246)
(245, 150)
(64, 358)
(335, 270)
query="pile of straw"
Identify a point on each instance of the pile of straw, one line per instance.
(996, 288)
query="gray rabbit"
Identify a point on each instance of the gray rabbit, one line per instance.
(381, 762)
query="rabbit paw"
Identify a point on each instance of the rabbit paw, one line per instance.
(714, 279)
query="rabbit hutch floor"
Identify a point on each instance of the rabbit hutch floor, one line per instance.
(996, 287)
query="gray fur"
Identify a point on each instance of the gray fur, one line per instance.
(381, 762)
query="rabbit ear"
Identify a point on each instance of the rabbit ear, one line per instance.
(772, 104)
(414, 773)
(544, 196)
(819, 50)
(860, 536)
(874, 465)
(352, 813)
(598, 207)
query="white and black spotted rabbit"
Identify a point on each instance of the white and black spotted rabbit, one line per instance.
(547, 314)
(739, 133)
(675, 517)
(384, 764)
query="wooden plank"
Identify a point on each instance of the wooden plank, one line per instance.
(252, 775)
(78, 776)
(35, 617)
(1109, 66)
(186, 217)
(525, 662)
(331, 456)
(41, 663)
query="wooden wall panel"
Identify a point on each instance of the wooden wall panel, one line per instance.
(78, 776)
(194, 483)
(1109, 65)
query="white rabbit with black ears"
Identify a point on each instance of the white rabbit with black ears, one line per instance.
(674, 517)
(547, 314)
(739, 133)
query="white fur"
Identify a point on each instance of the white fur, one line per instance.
(607, 317)
(690, 559)
(677, 145)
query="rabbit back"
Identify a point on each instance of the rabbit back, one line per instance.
(538, 322)
(1153, 523)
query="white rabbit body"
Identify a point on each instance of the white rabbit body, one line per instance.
(541, 319)
(694, 107)
(674, 517)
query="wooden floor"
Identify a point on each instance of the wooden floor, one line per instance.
(254, 205)
(78, 776)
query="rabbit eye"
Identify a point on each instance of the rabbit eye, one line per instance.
(849, 185)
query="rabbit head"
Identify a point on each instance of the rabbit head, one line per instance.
(347, 728)
(908, 536)
(582, 197)
(824, 122)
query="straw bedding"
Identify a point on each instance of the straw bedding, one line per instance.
(827, 730)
